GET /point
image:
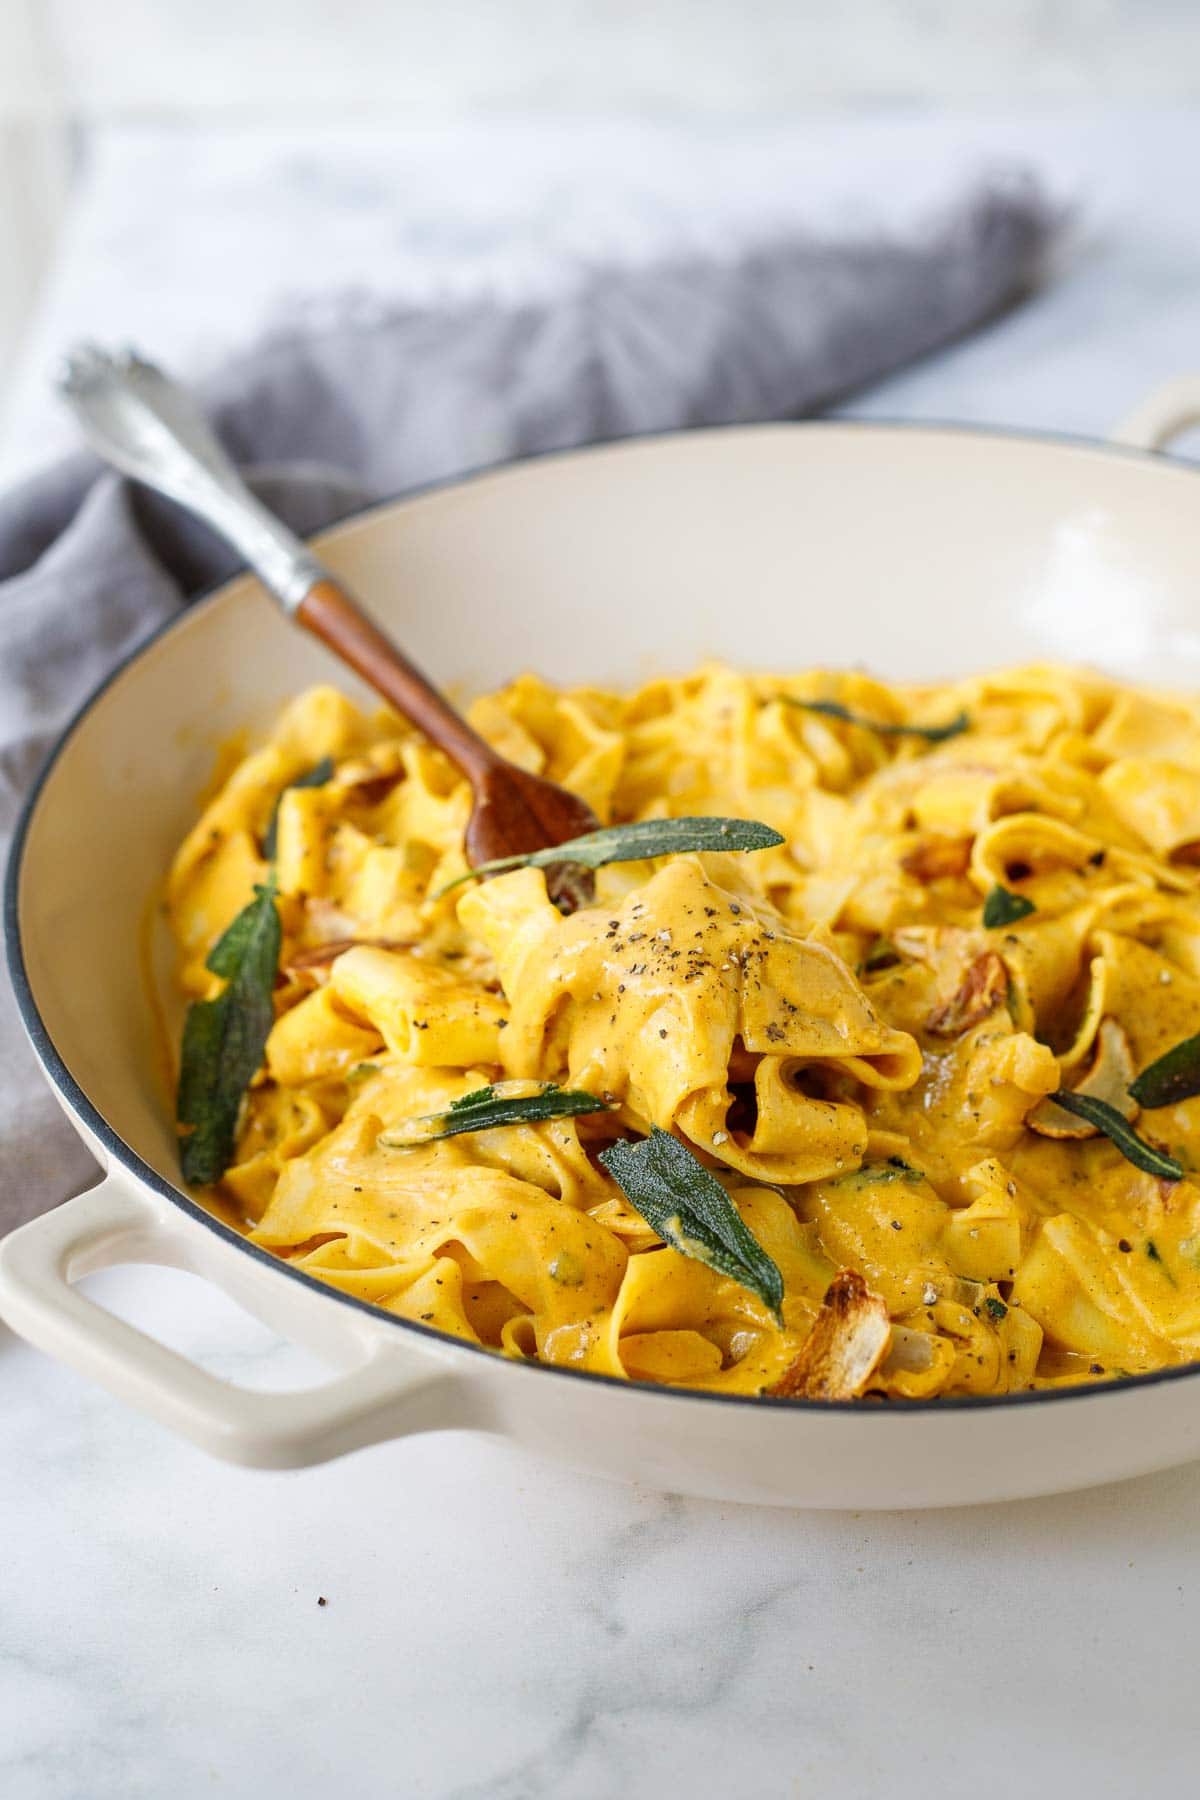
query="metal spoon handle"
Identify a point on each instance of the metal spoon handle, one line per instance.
(138, 419)
(142, 422)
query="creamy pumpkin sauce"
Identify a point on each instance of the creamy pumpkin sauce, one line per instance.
(830, 1025)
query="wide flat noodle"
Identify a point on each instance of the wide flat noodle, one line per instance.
(828, 1025)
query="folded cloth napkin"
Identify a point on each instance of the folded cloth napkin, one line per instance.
(353, 413)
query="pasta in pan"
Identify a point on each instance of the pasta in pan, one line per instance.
(923, 1060)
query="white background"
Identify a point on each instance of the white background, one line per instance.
(70, 68)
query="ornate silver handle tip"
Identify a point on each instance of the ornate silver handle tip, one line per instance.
(142, 422)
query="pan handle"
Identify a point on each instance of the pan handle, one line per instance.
(389, 1390)
(1165, 413)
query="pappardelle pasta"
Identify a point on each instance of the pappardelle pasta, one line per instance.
(901, 1104)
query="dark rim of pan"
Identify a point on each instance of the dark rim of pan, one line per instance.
(115, 1146)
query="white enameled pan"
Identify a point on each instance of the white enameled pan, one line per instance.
(919, 551)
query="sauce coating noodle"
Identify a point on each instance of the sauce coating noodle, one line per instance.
(829, 1024)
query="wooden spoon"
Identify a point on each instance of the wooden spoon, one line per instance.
(144, 424)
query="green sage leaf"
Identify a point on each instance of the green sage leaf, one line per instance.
(1003, 907)
(879, 1174)
(488, 1107)
(635, 843)
(1173, 1077)
(690, 1210)
(931, 734)
(1107, 1119)
(315, 777)
(224, 1039)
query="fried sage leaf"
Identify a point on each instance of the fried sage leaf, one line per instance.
(1173, 1077)
(1107, 1119)
(635, 843)
(488, 1107)
(1003, 907)
(224, 1039)
(1107, 1079)
(690, 1210)
(315, 777)
(931, 734)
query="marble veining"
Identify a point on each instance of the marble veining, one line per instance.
(498, 1629)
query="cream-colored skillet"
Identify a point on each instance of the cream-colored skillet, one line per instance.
(922, 551)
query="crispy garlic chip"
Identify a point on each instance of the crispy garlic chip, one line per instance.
(845, 1347)
(983, 988)
(938, 857)
(314, 961)
(1108, 1079)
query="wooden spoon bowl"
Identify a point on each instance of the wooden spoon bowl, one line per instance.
(143, 423)
(513, 812)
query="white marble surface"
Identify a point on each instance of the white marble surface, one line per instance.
(504, 1630)
(187, 243)
(496, 1628)
(722, 57)
(68, 66)
(501, 1629)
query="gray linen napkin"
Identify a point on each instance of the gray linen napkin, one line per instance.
(89, 565)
